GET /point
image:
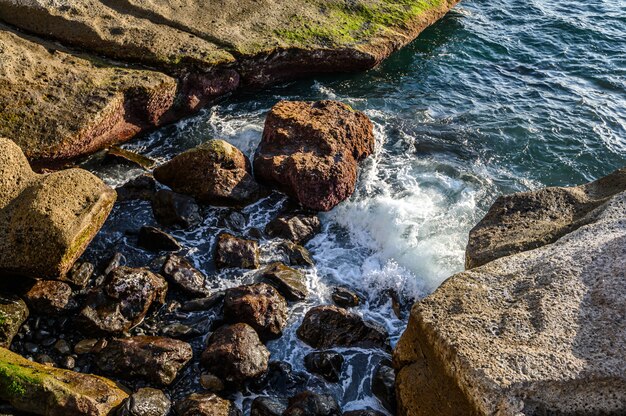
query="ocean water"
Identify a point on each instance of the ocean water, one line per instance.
(496, 97)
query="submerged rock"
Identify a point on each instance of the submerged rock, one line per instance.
(43, 390)
(325, 363)
(267, 406)
(345, 298)
(311, 150)
(327, 327)
(155, 359)
(536, 332)
(181, 273)
(124, 300)
(154, 239)
(198, 404)
(311, 404)
(235, 354)
(298, 228)
(236, 252)
(215, 173)
(142, 188)
(46, 221)
(49, 297)
(259, 306)
(175, 210)
(146, 402)
(291, 283)
(13, 313)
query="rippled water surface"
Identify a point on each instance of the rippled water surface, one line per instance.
(496, 97)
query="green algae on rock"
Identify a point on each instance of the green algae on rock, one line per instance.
(46, 221)
(49, 391)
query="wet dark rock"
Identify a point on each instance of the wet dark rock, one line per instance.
(13, 313)
(384, 387)
(325, 363)
(215, 173)
(45, 359)
(203, 304)
(209, 404)
(311, 404)
(116, 154)
(175, 210)
(146, 402)
(183, 275)
(141, 188)
(235, 221)
(280, 380)
(116, 261)
(291, 283)
(49, 297)
(85, 346)
(68, 362)
(327, 327)
(211, 382)
(298, 228)
(345, 298)
(363, 413)
(295, 254)
(154, 359)
(235, 354)
(153, 239)
(267, 406)
(258, 305)
(178, 330)
(236, 252)
(31, 347)
(80, 274)
(62, 347)
(123, 301)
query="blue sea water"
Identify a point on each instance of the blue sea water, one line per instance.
(496, 97)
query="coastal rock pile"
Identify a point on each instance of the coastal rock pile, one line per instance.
(538, 330)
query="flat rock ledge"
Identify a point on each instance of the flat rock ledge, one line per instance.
(538, 331)
(46, 221)
(63, 103)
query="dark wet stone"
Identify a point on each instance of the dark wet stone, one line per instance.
(154, 359)
(62, 347)
(177, 330)
(363, 413)
(325, 363)
(280, 380)
(116, 154)
(235, 354)
(345, 298)
(142, 188)
(123, 301)
(311, 404)
(208, 404)
(80, 274)
(291, 283)
(153, 239)
(175, 210)
(298, 228)
(295, 254)
(49, 297)
(235, 221)
(267, 406)
(327, 327)
(146, 402)
(211, 382)
(236, 252)
(116, 261)
(183, 275)
(384, 386)
(203, 304)
(258, 305)
(13, 313)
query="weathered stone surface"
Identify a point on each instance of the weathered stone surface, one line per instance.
(291, 283)
(537, 332)
(527, 220)
(13, 313)
(123, 301)
(259, 306)
(311, 404)
(49, 297)
(325, 363)
(235, 354)
(215, 173)
(175, 210)
(153, 239)
(146, 402)
(49, 391)
(181, 273)
(46, 221)
(310, 150)
(236, 252)
(198, 404)
(327, 327)
(298, 228)
(155, 359)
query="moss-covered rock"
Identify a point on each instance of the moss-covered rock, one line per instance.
(49, 391)
(46, 221)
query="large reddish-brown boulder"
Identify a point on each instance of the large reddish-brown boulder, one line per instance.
(310, 150)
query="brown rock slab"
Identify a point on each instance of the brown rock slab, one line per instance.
(198, 404)
(236, 252)
(291, 283)
(49, 297)
(298, 228)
